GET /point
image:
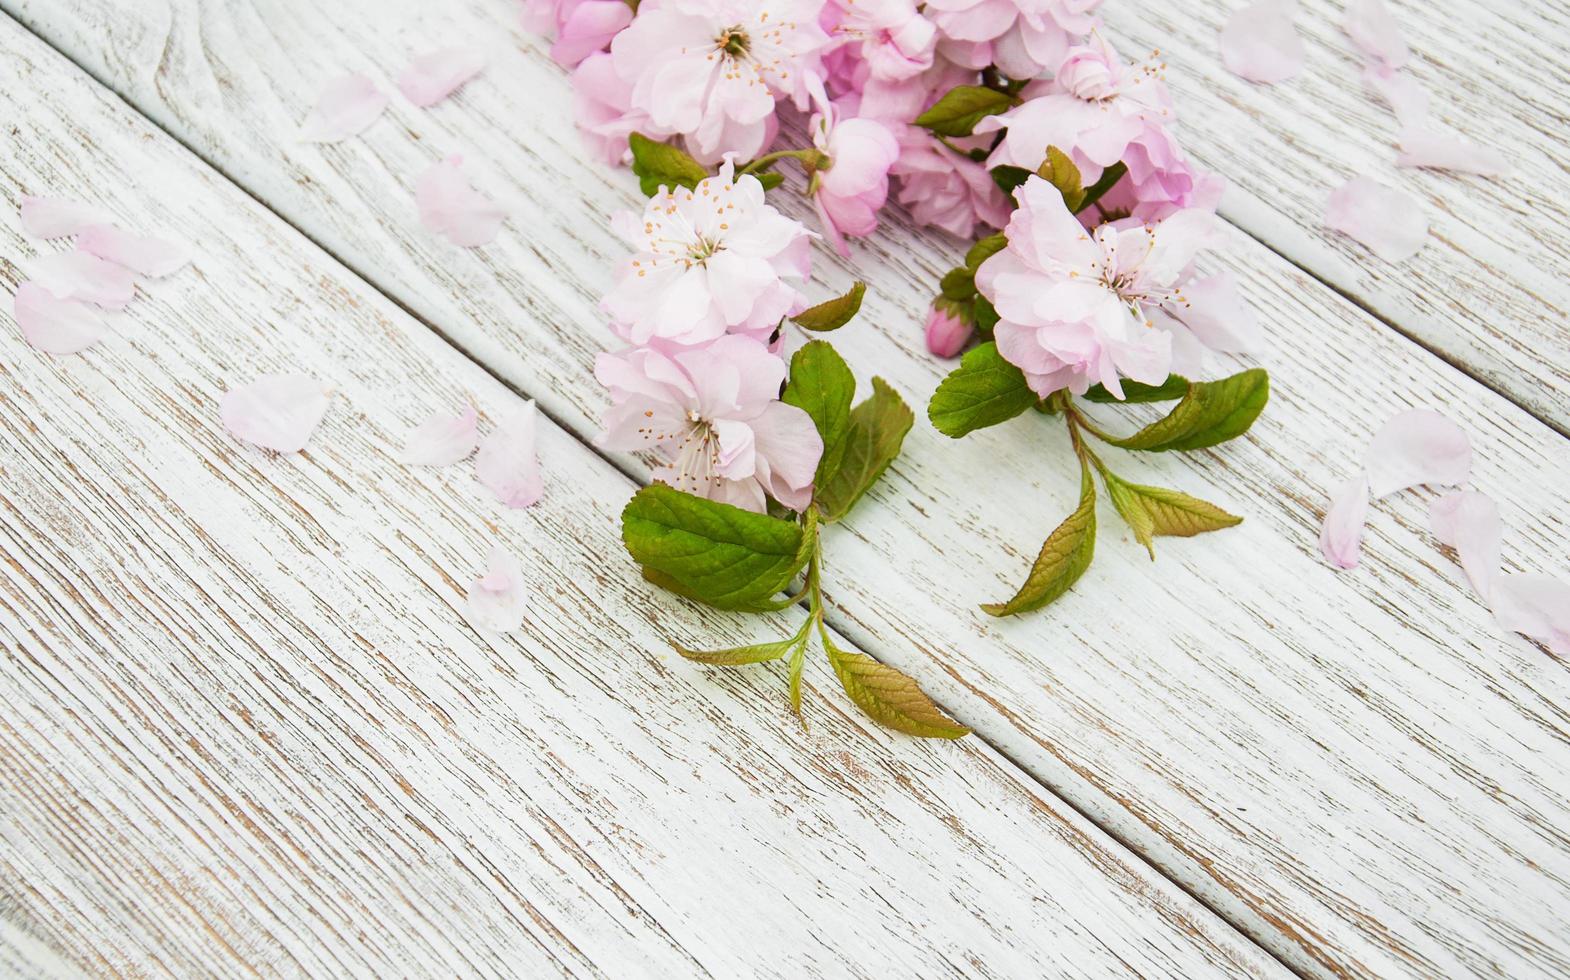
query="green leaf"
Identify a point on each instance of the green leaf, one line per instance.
(1134, 392)
(984, 314)
(877, 431)
(985, 249)
(1059, 171)
(739, 656)
(958, 284)
(889, 697)
(712, 552)
(835, 313)
(984, 390)
(822, 386)
(1109, 178)
(1156, 511)
(770, 179)
(798, 660)
(661, 164)
(1063, 558)
(1211, 413)
(1008, 177)
(961, 107)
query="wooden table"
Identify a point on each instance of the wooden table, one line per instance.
(246, 731)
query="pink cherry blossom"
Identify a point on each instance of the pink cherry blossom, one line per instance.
(707, 261)
(1078, 308)
(1022, 37)
(947, 333)
(944, 188)
(850, 188)
(711, 70)
(588, 29)
(602, 104)
(714, 413)
(876, 39)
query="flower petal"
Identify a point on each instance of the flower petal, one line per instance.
(1421, 147)
(1469, 522)
(82, 275)
(1375, 32)
(450, 207)
(442, 440)
(1260, 44)
(55, 217)
(1341, 538)
(1390, 223)
(347, 105)
(497, 601)
(152, 257)
(1415, 447)
(55, 325)
(1405, 95)
(432, 77)
(276, 411)
(508, 465)
(1536, 605)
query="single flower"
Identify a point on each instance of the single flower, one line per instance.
(947, 333)
(1022, 37)
(714, 414)
(886, 40)
(851, 185)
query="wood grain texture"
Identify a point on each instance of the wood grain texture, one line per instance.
(1359, 770)
(246, 730)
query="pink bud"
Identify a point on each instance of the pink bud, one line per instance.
(946, 333)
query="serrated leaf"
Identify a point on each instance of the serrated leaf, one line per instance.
(1157, 511)
(877, 431)
(1008, 177)
(1063, 558)
(821, 384)
(889, 697)
(958, 284)
(770, 179)
(757, 653)
(1211, 413)
(832, 314)
(985, 249)
(1134, 392)
(1059, 171)
(962, 107)
(725, 556)
(661, 164)
(983, 391)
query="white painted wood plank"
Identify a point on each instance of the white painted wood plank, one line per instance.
(1488, 291)
(247, 731)
(1359, 770)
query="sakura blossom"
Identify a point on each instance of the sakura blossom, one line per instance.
(851, 186)
(602, 104)
(947, 333)
(708, 261)
(1078, 308)
(886, 40)
(1022, 38)
(714, 414)
(946, 189)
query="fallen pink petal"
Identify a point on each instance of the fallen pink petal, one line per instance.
(1341, 537)
(1389, 223)
(1260, 42)
(346, 107)
(54, 325)
(432, 77)
(442, 440)
(1407, 98)
(1436, 150)
(84, 276)
(1536, 605)
(1375, 32)
(152, 257)
(1417, 447)
(452, 208)
(55, 217)
(1469, 522)
(508, 464)
(497, 600)
(276, 411)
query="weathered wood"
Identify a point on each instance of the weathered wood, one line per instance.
(1359, 770)
(246, 729)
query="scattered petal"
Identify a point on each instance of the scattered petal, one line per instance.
(1421, 147)
(55, 325)
(1260, 44)
(496, 599)
(450, 207)
(1415, 447)
(1469, 522)
(152, 257)
(1407, 98)
(1390, 223)
(1375, 32)
(347, 105)
(432, 77)
(55, 217)
(442, 440)
(82, 275)
(276, 411)
(1341, 539)
(1536, 605)
(508, 465)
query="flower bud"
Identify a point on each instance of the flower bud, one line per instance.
(947, 333)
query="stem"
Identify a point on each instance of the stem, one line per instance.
(1076, 418)
(811, 159)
